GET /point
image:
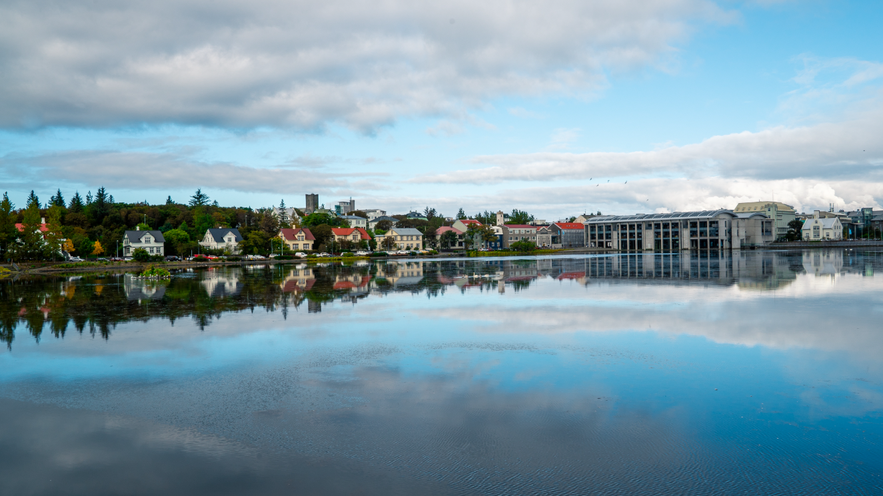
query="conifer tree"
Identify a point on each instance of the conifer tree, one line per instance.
(57, 200)
(8, 233)
(33, 199)
(76, 206)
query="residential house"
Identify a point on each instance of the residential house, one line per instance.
(458, 244)
(298, 239)
(513, 233)
(818, 228)
(355, 221)
(351, 235)
(372, 224)
(289, 215)
(415, 216)
(405, 239)
(152, 242)
(43, 227)
(463, 224)
(570, 234)
(223, 239)
(374, 213)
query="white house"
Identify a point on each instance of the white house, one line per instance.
(222, 238)
(355, 221)
(818, 228)
(151, 241)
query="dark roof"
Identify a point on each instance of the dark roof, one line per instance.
(219, 233)
(135, 236)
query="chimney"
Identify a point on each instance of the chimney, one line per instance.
(137, 228)
(42, 220)
(815, 214)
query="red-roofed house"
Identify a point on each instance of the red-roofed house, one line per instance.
(352, 234)
(571, 234)
(455, 245)
(298, 239)
(43, 227)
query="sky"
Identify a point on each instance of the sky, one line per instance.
(557, 108)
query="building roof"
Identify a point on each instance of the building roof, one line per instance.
(218, 234)
(406, 231)
(21, 227)
(604, 219)
(470, 221)
(135, 236)
(348, 231)
(570, 225)
(826, 223)
(443, 229)
(353, 217)
(760, 206)
(385, 217)
(291, 234)
(522, 226)
(748, 215)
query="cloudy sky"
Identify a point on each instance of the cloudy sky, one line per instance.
(557, 108)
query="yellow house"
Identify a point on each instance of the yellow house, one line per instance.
(405, 239)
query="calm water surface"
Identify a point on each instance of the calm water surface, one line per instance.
(744, 373)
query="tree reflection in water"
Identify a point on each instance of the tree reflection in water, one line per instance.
(100, 302)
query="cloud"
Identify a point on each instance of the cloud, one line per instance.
(164, 171)
(562, 138)
(306, 64)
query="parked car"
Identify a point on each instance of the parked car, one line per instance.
(172, 258)
(300, 254)
(75, 259)
(101, 259)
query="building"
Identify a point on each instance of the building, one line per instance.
(298, 239)
(374, 213)
(312, 203)
(819, 228)
(344, 207)
(502, 218)
(547, 238)
(664, 232)
(456, 243)
(513, 233)
(372, 224)
(222, 239)
(780, 213)
(570, 234)
(355, 221)
(288, 215)
(405, 239)
(463, 224)
(352, 235)
(152, 242)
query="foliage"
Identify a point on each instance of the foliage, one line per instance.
(447, 239)
(69, 246)
(97, 249)
(199, 199)
(318, 218)
(520, 217)
(478, 236)
(523, 246)
(384, 225)
(155, 272)
(140, 255)
(7, 225)
(795, 230)
(461, 214)
(388, 242)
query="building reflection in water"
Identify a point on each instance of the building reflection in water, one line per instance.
(96, 302)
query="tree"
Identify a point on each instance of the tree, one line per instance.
(7, 224)
(480, 235)
(169, 200)
(255, 243)
(795, 230)
(97, 249)
(430, 213)
(316, 219)
(140, 255)
(448, 239)
(76, 206)
(268, 222)
(57, 200)
(69, 246)
(523, 246)
(323, 235)
(519, 217)
(33, 199)
(283, 215)
(388, 242)
(54, 237)
(199, 199)
(461, 214)
(30, 245)
(384, 225)
(142, 227)
(89, 197)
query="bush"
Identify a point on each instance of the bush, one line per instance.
(347, 254)
(523, 246)
(141, 255)
(155, 272)
(234, 259)
(379, 254)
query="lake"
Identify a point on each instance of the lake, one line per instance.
(692, 373)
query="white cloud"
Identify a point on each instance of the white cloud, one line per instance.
(304, 64)
(562, 138)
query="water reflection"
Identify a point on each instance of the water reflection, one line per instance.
(622, 374)
(98, 304)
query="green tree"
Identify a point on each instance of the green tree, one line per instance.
(323, 235)
(283, 215)
(33, 199)
(76, 206)
(199, 199)
(520, 217)
(478, 236)
(461, 214)
(447, 239)
(388, 243)
(57, 199)
(31, 244)
(523, 246)
(140, 255)
(8, 233)
(142, 227)
(316, 219)
(54, 238)
(795, 230)
(430, 213)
